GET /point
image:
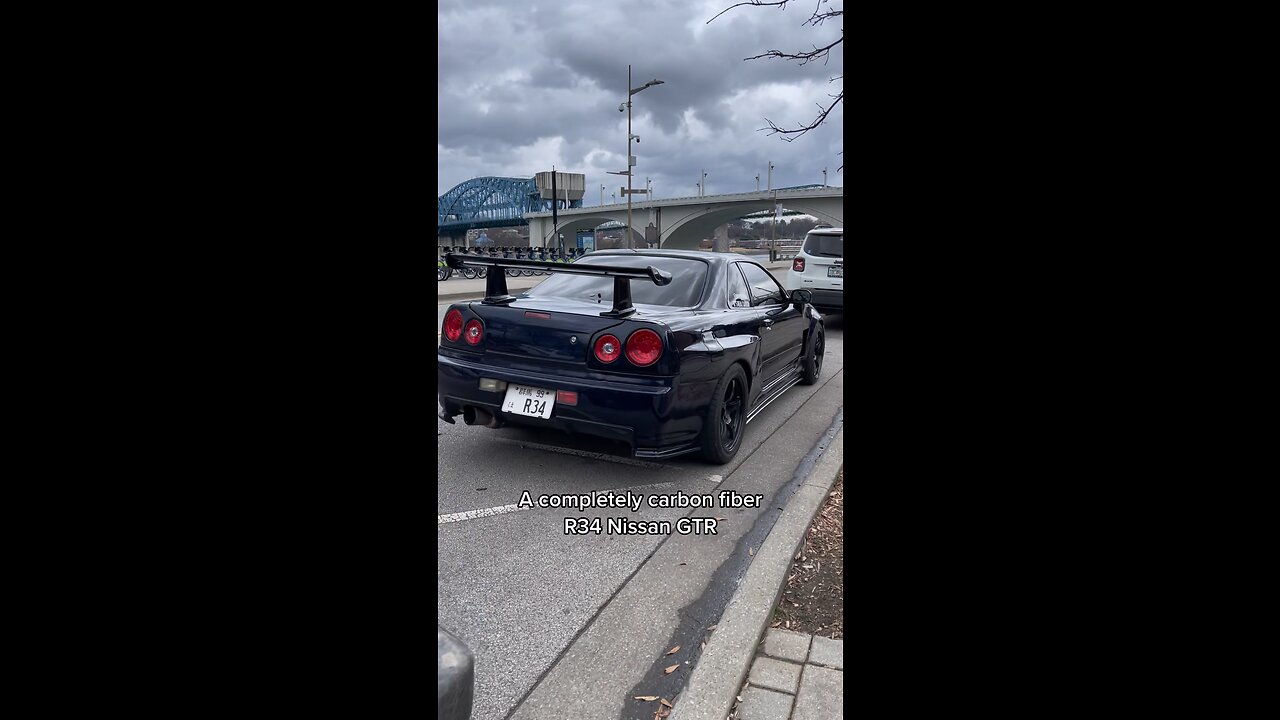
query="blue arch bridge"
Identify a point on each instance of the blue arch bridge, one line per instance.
(488, 202)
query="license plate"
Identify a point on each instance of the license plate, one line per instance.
(531, 401)
(835, 271)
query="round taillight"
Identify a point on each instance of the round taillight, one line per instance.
(608, 348)
(453, 325)
(644, 347)
(475, 331)
(798, 265)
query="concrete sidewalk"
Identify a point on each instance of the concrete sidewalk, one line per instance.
(456, 288)
(792, 675)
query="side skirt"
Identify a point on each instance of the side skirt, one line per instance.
(774, 394)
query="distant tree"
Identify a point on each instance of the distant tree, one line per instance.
(804, 57)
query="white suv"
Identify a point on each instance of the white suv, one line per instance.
(819, 268)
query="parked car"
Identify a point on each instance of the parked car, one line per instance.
(668, 351)
(819, 268)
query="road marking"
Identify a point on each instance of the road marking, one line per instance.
(473, 514)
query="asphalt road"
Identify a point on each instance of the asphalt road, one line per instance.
(573, 625)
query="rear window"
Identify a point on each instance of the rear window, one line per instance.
(688, 277)
(825, 245)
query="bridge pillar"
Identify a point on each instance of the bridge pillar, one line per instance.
(538, 229)
(721, 243)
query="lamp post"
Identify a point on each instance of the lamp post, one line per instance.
(757, 182)
(630, 158)
(771, 175)
(824, 177)
(601, 194)
(704, 182)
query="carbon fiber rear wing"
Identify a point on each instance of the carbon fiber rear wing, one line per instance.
(495, 291)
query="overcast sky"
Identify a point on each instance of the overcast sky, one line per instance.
(525, 85)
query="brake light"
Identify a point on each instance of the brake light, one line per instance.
(798, 264)
(607, 348)
(453, 325)
(475, 331)
(644, 347)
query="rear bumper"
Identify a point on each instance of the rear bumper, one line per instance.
(649, 418)
(830, 300)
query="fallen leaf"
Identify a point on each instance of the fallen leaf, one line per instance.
(673, 650)
(647, 698)
(739, 698)
(664, 702)
(797, 557)
(704, 646)
(713, 627)
(684, 563)
(671, 669)
(777, 623)
(664, 713)
(751, 551)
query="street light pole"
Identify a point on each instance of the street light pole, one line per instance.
(704, 183)
(630, 243)
(757, 182)
(630, 164)
(771, 175)
(601, 194)
(824, 177)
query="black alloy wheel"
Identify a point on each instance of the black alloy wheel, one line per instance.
(726, 418)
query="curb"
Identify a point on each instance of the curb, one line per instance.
(715, 681)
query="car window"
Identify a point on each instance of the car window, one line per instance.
(688, 277)
(739, 296)
(764, 289)
(824, 245)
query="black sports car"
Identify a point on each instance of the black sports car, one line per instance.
(668, 351)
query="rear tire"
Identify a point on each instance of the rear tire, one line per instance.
(442, 274)
(726, 419)
(811, 365)
(469, 273)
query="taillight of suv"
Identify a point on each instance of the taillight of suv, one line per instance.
(797, 265)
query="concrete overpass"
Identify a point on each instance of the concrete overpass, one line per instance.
(682, 223)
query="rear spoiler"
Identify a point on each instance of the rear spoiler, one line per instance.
(496, 281)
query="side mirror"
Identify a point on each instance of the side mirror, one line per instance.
(455, 677)
(801, 298)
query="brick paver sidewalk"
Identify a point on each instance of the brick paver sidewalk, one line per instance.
(794, 676)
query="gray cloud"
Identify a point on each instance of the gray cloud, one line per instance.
(523, 86)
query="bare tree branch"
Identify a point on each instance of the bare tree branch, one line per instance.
(779, 3)
(817, 18)
(793, 134)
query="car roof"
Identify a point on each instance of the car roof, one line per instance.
(827, 231)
